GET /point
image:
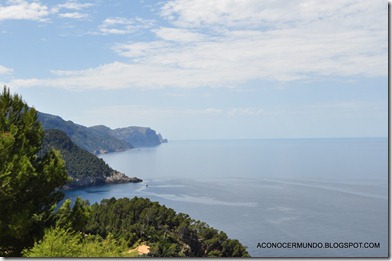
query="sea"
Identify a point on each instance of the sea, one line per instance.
(278, 197)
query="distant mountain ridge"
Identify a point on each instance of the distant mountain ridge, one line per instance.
(137, 136)
(101, 139)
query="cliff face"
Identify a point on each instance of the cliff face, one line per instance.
(83, 167)
(138, 136)
(133, 135)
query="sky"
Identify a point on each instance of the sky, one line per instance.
(203, 69)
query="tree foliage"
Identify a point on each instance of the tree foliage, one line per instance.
(169, 234)
(80, 164)
(75, 218)
(115, 226)
(28, 182)
(62, 242)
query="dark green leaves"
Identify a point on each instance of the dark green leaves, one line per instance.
(169, 234)
(28, 182)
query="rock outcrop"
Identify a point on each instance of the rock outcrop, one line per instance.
(118, 177)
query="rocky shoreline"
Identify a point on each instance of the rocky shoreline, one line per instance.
(118, 178)
(115, 178)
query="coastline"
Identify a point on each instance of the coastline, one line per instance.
(116, 178)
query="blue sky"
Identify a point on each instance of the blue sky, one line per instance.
(202, 69)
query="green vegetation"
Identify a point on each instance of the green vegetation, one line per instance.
(167, 233)
(118, 225)
(60, 242)
(31, 175)
(67, 239)
(79, 163)
(28, 182)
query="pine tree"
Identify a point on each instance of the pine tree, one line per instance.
(75, 218)
(28, 183)
(65, 243)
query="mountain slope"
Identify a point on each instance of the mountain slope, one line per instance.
(85, 168)
(101, 139)
(169, 234)
(83, 136)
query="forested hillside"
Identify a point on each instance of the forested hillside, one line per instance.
(127, 223)
(85, 168)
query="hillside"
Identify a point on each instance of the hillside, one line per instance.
(83, 136)
(123, 227)
(85, 168)
(101, 139)
(167, 233)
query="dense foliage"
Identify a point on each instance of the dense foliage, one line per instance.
(79, 163)
(167, 233)
(118, 225)
(28, 182)
(61, 242)
(66, 239)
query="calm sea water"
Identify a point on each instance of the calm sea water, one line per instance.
(268, 191)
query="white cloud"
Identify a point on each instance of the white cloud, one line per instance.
(122, 25)
(23, 10)
(73, 5)
(283, 55)
(262, 40)
(73, 15)
(141, 49)
(72, 10)
(178, 35)
(269, 13)
(36, 11)
(276, 40)
(117, 76)
(224, 13)
(5, 70)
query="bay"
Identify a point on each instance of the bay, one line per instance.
(328, 191)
